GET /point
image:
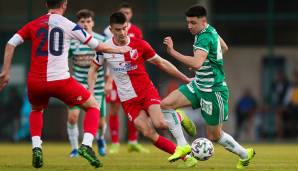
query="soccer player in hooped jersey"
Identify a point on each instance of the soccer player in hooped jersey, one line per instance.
(81, 56)
(113, 99)
(139, 98)
(208, 90)
(48, 77)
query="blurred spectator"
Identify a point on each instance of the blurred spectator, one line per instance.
(278, 92)
(290, 116)
(245, 112)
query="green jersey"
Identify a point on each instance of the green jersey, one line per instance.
(82, 56)
(210, 76)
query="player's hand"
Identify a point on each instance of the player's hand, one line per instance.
(108, 88)
(169, 43)
(124, 49)
(4, 78)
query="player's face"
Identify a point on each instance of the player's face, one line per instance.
(127, 12)
(195, 24)
(87, 24)
(119, 31)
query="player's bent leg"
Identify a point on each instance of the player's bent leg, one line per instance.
(144, 124)
(73, 130)
(157, 117)
(175, 100)
(36, 123)
(215, 133)
(90, 128)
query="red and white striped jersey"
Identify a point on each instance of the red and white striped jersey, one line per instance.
(128, 69)
(50, 36)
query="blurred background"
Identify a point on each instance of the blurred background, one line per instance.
(260, 65)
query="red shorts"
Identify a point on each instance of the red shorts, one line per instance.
(133, 106)
(69, 91)
(113, 96)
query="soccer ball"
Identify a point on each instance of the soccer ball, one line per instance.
(202, 149)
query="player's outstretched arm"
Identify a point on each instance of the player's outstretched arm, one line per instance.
(224, 46)
(4, 75)
(103, 47)
(108, 84)
(92, 76)
(194, 62)
(168, 67)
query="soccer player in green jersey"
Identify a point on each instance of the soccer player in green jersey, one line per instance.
(81, 56)
(208, 91)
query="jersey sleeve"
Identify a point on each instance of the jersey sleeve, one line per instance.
(99, 59)
(107, 32)
(79, 33)
(149, 52)
(24, 32)
(203, 42)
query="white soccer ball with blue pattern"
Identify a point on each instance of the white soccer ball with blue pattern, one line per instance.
(202, 149)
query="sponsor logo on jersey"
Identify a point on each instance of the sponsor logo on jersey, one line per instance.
(125, 66)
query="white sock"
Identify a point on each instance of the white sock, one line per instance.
(73, 135)
(36, 141)
(228, 142)
(174, 125)
(88, 139)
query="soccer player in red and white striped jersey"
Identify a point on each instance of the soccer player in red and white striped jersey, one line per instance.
(138, 96)
(48, 77)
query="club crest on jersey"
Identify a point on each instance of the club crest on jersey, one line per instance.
(134, 54)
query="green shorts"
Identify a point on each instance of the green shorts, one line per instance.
(214, 105)
(101, 100)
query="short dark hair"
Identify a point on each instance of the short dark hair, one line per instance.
(117, 18)
(196, 11)
(52, 4)
(125, 5)
(85, 13)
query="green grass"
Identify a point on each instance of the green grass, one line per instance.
(269, 157)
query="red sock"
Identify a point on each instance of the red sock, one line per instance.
(132, 132)
(36, 123)
(165, 145)
(91, 121)
(114, 128)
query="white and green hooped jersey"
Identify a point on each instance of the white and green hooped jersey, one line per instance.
(82, 57)
(210, 76)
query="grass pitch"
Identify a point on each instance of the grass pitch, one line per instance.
(269, 157)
